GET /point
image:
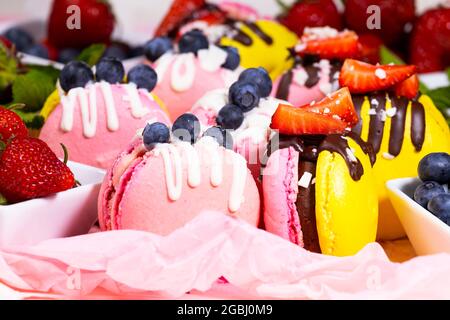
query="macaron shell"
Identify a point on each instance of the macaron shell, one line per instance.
(346, 210)
(274, 57)
(437, 139)
(145, 203)
(280, 194)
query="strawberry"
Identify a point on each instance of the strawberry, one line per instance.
(29, 169)
(11, 125)
(338, 104)
(394, 16)
(52, 51)
(178, 12)
(96, 23)
(430, 41)
(361, 77)
(299, 121)
(5, 42)
(312, 13)
(341, 46)
(333, 114)
(408, 88)
(370, 46)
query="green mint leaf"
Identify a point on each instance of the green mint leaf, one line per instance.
(3, 200)
(48, 70)
(441, 98)
(8, 67)
(32, 89)
(448, 73)
(92, 54)
(387, 56)
(33, 120)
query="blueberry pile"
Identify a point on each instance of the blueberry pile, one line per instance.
(77, 74)
(243, 96)
(24, 42)
(185, 128)
(433, 194)
(190, 42)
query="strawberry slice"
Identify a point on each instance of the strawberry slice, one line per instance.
(408, 88)
(339, 104)
(179, 11)
(361, 77)
(344, 45)
(300, 121)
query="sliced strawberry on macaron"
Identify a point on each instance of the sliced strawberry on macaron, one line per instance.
(334, 114)
(361, 77)
(408, 88)
(341, 45)
(179, 11)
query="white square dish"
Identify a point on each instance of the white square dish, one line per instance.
(65, 214)
(427, 233)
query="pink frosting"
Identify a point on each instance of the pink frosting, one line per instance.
(101, 149)
(134, 194)
(179, 102)
(280, 193)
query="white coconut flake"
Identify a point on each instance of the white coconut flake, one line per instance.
(380, 73)
(391, 112)
(320, 32)
(326, 110)
(300, 77)
(305, 180)
(351, 155)
(335, 116)
(388, 156)
(383, 115)
(374, 102)
(372, 112)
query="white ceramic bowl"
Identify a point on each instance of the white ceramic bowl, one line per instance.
(68, 213)
(428, 234)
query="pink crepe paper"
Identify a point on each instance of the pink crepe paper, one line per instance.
(256, 263)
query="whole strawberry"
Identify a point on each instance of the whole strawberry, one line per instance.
(394, 16)
(96, 23)
(430, 41)
(312, 13)
(29, 169)
(11, 125)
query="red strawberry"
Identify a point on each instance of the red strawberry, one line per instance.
(5, 42)
(11, 125)
(361, 77)
(338, 104)
(96, 23)
(29, 169)
(334, 114)
(430, 41)
(52, 51)
(370, 48)
(408, 88)
(179, 11)
(343, 45)
(312, 13)
(394, 16)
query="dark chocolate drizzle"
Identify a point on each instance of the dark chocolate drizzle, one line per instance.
(259, 32)
(313, 75)
(243, 38)
(285, 85)
(376, 126)
(417, 124)
(397, 132)
(358, 101)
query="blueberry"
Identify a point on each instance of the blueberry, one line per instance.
(193, 41)
(37, 50)
(222, 136)
(440, 207)
(426, 191)
(68, 54)
(156, 47)
(75, 74)
(136, 51)
(115, 51)
(260, 77)
(233, 58)
(19, 37)
(435, 167)
(143, 76)
(110, 70)
(230, 117)
(154, 133)
(186, 127)
(245, 95)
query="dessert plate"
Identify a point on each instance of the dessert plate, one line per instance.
(428, 234)
(68, 213)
